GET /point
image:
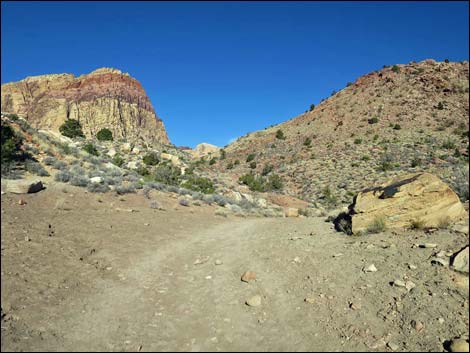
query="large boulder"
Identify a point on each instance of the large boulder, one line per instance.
(418, 197)
(460, 261)
(23, 186)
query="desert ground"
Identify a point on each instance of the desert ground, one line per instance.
(83, 271)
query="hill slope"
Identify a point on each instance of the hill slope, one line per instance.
(398, 119)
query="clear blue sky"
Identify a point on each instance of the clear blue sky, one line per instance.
(217, 70)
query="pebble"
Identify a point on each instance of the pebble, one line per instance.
(146, 224)
(409, 285)
(441, 320)
(26, 238)
(392, 346)
(208, 277)
(440, 261)
(218, 262)
(412, 267)
(417, 325)
(370, 268)
(354, 306)
(297, 259)
(399, 283)
(428, 245)
(21, 202)
(338, 255)
(248, 276)
(459, 345)
(254, 301)
(309, 300)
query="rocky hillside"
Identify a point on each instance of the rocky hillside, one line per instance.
(403, 118)
(105, 98)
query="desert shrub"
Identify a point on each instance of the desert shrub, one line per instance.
(416, 162)
(62, 176)
(395, 68)
(142, 170)
(268, 168)
(213, 161)
(156, 186)
(280, 135)
(151, 158)
(60, 165)
(35, 168)
(249, 158)
(104, 135)
(378, 225)
(373, 120)
(448, 144)
(10, 144)
(223, 154)
(329, 197)
(230, 166)
(125, 189)
(79, 180)
(396, 127)
(117, 160)
(110, 180)
(220, 200)
(416, 224)
(386, 162)
(237, 162)
(358, 141)
(440, 106)
(91, 149)
(167, 174)
(365, 158)
(312, 106)
(49, 160)
(64, 148)
(199, 184)
(97, 188)
(274, 182)
(76, 169)
(443, 222)
(131, 177)
(254, 183)
(253, 165)
(71, 128)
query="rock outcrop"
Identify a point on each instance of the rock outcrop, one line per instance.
(419, 197)
(105, 98)
(205, 149)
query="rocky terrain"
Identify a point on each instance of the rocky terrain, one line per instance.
(344, 229)
(400, 119)
(105, 98)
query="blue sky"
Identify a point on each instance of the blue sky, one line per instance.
(217, 70)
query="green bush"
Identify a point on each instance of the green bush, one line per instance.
(274, 182)
(440, 106)
(199, 184)
(151, 158)
(117, 160)
(268, 168)
(142, 170)
(312, 106)
(250, 157)
(254, 183)
(373, 120)
(395, 68)
(213, 161)
(378, 225)
(397, 127)
(308, 142)
(104, 135)
(448, 144)
(168, 174)
(91, 149)
(358, 141)
(10, 144)
(253, 165)
(71, 128)
(223, 154)
(280, 135)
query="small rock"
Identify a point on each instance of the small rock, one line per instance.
(392, 346)
(21, 202)
(338, 255)
(428, 245)
(370, 268)
(209, 277)
(248, 276)
(26, 238)
(218, 262)
(96, 180)
(297, 260)
(412, 267)
(461, 260)
(309, 300)
(254, 301)
(439, 261)
(399, 283)
(354, 306)
(409, 285)
(417, 325)
(441, 320)
(441, 253)
(146, 224)
(459, 345)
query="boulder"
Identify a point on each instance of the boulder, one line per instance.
(414, 197)
(111, 153)
(174, 159)
(292, 212)
(24, 186)
(132, 165)
(460, 262)
(96, 180)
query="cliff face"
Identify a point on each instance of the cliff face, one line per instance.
(104, 98)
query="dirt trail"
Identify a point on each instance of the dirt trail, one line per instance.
(111, 281)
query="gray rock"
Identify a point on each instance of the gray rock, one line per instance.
(440, 261)
(24, 186)
(370, 268)
(459, 345)
(254, 301)
(460, 262)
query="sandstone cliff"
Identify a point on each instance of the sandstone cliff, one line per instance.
(104, 98)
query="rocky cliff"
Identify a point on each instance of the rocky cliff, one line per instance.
(104, 98)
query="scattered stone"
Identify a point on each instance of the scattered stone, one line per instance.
(22, 202)
(248, 276)
(428, 245)
(338, 255)
(146, 224)
(399, 283)
(417, 325)
(309, 300)
(412, 267)
(392, 346)
(459, 345)
(370, 268)
(201, 261)
(460, 262)
(209, 277)
(354, 306)
(441, 320)
(441, 253)
(26, 238)
(439, 261)
(24, 186)
(409, 285)
(96, 180)
(218, 262)
(297, 260)
(254, 301)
